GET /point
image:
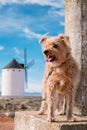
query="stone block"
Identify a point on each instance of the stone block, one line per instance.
(29, 120)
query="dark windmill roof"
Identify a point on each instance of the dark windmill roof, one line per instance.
(13, 64)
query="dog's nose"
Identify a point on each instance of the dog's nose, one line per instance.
(46, 52)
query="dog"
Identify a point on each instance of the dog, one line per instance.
(61, 75)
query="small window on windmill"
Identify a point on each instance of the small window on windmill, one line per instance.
(13, 70)
(19, 70)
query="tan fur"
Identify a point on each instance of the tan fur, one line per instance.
(61, 74)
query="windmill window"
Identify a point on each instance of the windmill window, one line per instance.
(19, 70)
(13, 70)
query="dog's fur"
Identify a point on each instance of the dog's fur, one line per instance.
(61, 74)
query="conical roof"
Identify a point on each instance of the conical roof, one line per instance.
(13, 64)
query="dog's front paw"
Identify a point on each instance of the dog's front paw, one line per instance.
(40, 112)
(72, 119)
(50, 119)
(59, 113)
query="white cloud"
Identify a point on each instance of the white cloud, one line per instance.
(11, 22)
(53, 3)
(3, 2)
(30, 34)
(62, 23)
(15, 23)
(56, 13)
(59, 13)
(18, 54)
(8, 24)
(1, 47)
(16, 50)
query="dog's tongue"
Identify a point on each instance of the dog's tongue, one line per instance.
(50, 58)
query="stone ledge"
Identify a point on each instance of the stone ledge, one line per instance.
(29, 120)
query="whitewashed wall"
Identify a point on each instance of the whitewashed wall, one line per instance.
(13, 82)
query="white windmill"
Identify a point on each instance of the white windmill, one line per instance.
(27, 66)
(13, 79)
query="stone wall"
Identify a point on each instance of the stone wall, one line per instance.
(76, 28)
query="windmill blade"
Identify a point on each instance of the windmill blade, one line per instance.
(25, 66)
(26, 78)
(30, 64)
(25, 58)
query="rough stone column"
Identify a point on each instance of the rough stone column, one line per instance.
(76, 28)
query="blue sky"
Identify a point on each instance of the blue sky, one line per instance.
(22, 24)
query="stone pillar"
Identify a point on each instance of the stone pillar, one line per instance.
(76, 28)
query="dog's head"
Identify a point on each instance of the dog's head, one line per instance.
(56, 49)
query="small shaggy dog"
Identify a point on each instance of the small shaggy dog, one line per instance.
(61, 75)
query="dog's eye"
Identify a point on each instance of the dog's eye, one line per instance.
(55, 46)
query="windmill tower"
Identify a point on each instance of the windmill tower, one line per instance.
(26, 67)
(13, 78)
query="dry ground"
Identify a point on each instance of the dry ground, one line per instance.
(12, 104)
(6, 123)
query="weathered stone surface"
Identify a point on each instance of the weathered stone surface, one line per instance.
(76, 28)
(32, 121)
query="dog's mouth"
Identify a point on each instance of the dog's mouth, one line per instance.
(50, 58)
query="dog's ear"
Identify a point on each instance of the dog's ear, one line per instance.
(64, 38)
(43, 39)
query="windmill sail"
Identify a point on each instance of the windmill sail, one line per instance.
(30, 64)
(27, 66)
